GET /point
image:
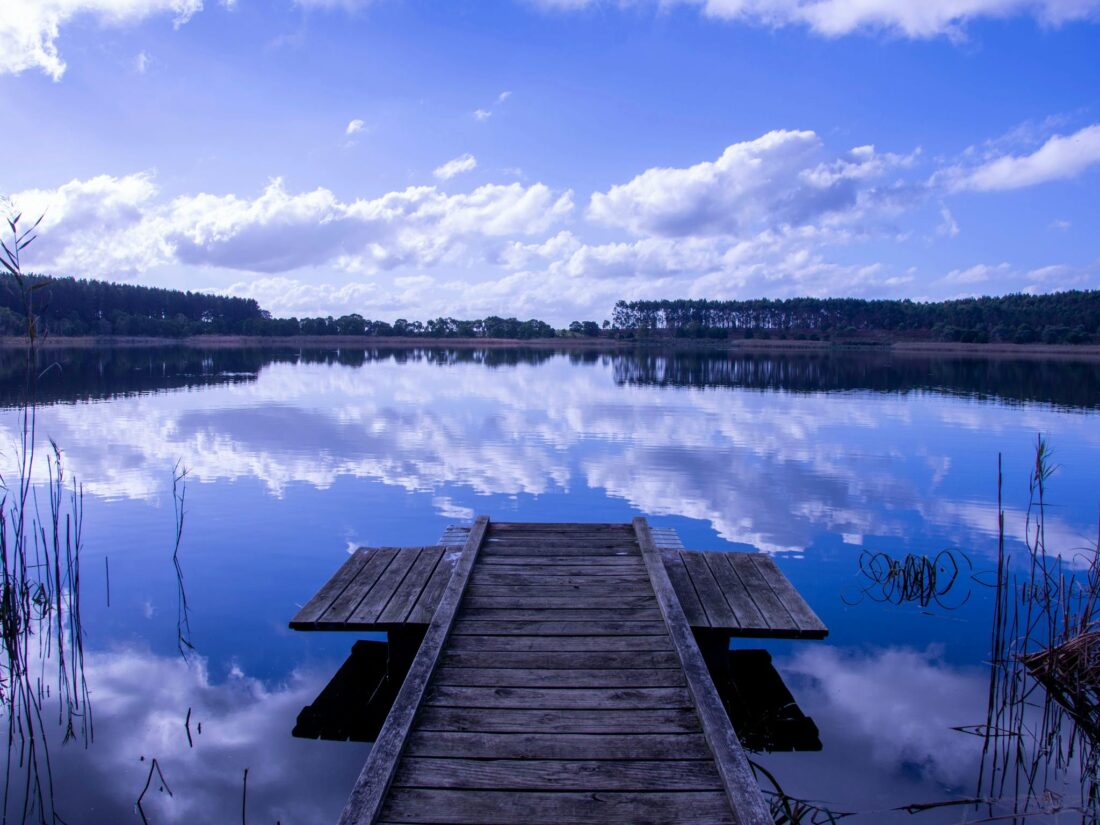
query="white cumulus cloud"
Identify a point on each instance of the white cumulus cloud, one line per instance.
(354, 127)
(777, 179)
(30, 29)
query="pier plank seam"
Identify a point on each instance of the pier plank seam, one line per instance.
(374, 780)
(740, 784)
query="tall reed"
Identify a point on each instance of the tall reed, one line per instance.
(42, 652)
(1043, 720)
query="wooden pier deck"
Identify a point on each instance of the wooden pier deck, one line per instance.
(558, 680)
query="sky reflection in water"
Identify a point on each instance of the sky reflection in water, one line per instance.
(295, 457)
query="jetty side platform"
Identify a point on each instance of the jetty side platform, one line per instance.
(557, 674)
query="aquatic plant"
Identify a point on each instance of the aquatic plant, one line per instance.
(42, 654)
(1042, 721)
(914, 578)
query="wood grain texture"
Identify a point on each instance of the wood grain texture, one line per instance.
(517, 720)
(378, 559)
(563, 698)
(374, 780)
(741, 787)
(558, 643)
(809, 624)
(423, 805)
(454, 744)
(313, 609)
(558, 659)
(577, 775)
(685, 590)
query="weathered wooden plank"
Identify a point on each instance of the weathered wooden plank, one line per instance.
(714, 603)
(563, 698)
(748, 618)
(556, 659)
(458, 807)
(552, 627)
(565, 561)
(424, 608)
(494, 578)
(738, 594)
(558, 527)
(378, 559)
(559, 643)
(741, 787)
(775, 614)
(544, 590)
(626, 614)
(586, 775)
(313, 609)
(368, 610)
(557, 745)
(808, 622)
(604, 540)
(570, 550)
(406, 594)
(561, 677)
(517, 720)
(685, 590)
(606, 601)
(370, 789)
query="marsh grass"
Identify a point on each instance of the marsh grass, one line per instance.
(42, 653)
(1042, 724)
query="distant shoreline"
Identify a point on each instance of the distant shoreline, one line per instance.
(1075, 351)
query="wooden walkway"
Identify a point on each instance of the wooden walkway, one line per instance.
(558, 680)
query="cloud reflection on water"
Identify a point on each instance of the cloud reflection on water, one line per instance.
(140, 702)
(762, 468)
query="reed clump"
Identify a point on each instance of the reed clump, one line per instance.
(41, 639)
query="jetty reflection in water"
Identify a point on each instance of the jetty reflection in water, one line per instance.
(295, 455)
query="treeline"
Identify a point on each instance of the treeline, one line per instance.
(73, 307)
(70, 306)
(1060, 317)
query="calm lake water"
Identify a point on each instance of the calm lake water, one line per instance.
(295, 457)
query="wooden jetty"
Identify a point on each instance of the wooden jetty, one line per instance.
(561, 675)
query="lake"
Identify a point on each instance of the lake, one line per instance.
(295, 457)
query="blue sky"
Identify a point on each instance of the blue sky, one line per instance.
(547, 157)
